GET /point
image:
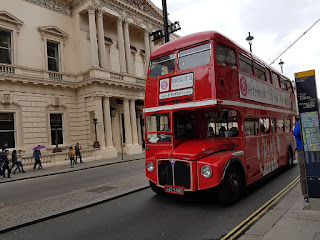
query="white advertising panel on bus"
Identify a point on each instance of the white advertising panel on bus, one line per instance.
(182, 81)
(255, 90)
(179, 93)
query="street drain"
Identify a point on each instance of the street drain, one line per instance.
(101, 189)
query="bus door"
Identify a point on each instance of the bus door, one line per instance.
(268, 151)
(252, 148)
(281, 142)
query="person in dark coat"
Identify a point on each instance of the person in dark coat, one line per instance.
(77, 149)
(13, 159)
(37, 158)
(5, 163)
(16, 160)
(1, 161)
(303, 179)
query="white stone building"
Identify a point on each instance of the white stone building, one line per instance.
(64, 63)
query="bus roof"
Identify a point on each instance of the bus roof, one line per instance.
(199, 37)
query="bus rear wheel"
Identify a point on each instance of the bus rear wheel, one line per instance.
(157, 190)
(232, 187)
(289, 158)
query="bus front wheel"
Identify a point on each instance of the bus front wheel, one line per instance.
(157, 190)
(232, 187)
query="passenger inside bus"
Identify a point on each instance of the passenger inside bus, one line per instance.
(222, 124)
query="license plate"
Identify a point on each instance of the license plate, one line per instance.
(174, 190)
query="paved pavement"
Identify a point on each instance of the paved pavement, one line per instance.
(61, 169)
(289, 218)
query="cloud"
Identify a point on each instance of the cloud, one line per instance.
(274, 25)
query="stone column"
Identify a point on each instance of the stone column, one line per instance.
(102, 48)
(133, 122)
(121, 46)
(93, 36)
(107, 122)
(98, 115)
(146, 46)
(139, 131)
(127, 47)
(127, 122)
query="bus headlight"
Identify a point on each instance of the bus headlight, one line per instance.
(206, 171)
(150, 166)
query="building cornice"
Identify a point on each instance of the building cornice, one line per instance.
(144, 8)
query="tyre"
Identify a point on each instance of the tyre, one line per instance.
(289, 158)
(232, 187)
(157, 190)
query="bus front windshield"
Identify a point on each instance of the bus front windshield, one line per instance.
(205, 124)
(162, 65)
(222, 127)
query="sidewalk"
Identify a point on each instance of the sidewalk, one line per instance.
(12, 217)
(53, 170)
(289, 219)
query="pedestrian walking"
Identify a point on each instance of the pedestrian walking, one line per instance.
(71, 155)
(19, 165)
(13, 159)
(77, 149)
(5, 166)
(37, 158)
(1, 161)
(303, 179)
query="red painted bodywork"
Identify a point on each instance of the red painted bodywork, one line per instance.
(213, 81)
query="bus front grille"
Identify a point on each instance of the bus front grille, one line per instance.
(176, 174)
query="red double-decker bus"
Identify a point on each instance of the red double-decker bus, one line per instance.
(216, 116)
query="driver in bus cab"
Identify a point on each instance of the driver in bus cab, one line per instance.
(222, 131)
(210, 132)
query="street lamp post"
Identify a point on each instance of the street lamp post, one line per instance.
(56, 125)
(281, 65)
(96, 143)
(165, 20)
(249, 40)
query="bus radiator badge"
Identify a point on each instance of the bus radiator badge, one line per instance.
(172, 162)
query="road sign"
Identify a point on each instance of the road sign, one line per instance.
(309, 122)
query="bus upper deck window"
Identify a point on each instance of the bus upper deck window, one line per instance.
(283, 83)
(162, 65)
(289, 87)
(194, 57)
(275, 80)
(226, 56)
(259, 71)
(268, 76)
(246, 64)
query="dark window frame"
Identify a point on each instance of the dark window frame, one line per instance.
(8, 49)
(7, 130)
(55, 59)
(60, 129)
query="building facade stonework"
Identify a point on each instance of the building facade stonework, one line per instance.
(64, 63)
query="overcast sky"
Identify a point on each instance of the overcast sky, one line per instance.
(273, 23)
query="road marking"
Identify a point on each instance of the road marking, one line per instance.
(256, 215)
